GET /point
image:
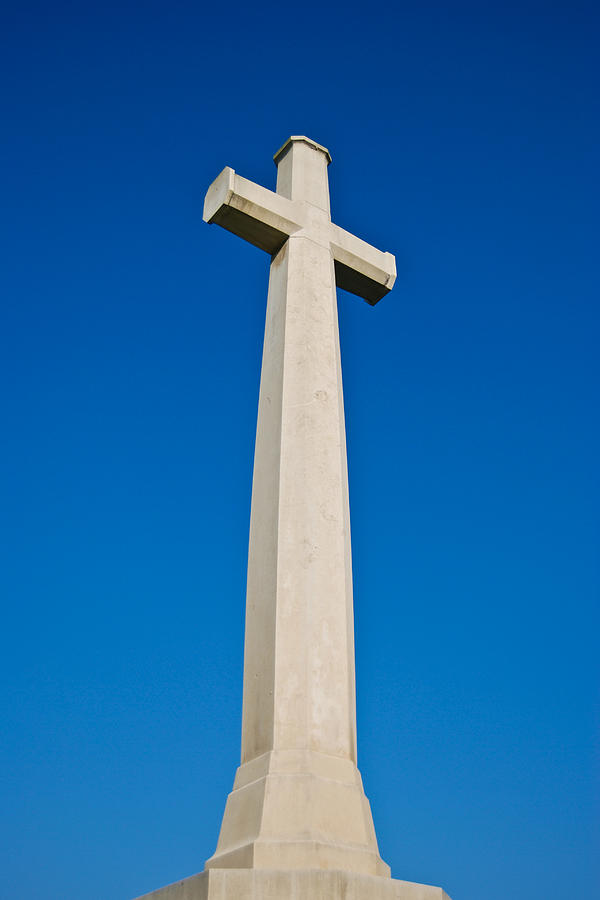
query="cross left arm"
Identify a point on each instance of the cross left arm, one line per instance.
(260, 216)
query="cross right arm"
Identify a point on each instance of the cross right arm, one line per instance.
(361, 268)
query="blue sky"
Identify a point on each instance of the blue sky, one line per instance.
(464, 140)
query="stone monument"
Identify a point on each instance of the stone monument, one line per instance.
(297, 824)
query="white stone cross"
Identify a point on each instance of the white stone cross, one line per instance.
(300, 208)
(298, 801)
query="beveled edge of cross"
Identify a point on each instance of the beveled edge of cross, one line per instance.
(267, 219)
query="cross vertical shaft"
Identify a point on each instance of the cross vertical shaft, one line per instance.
(300, 694)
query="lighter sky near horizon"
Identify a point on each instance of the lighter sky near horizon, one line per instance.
(465, 141)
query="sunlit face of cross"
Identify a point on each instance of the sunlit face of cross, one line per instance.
(300, 206)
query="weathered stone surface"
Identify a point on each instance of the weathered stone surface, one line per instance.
(253, 884)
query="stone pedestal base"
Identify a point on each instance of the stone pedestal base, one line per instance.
(307, 884)
(298, 810)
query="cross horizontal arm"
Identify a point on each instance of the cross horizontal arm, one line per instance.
(361, 268)
(254, 213)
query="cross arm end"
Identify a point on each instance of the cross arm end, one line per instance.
(361, 268)
(260, 216)
(219, 194)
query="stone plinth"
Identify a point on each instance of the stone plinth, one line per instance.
(311, 884)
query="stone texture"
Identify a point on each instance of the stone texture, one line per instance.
(253, 884)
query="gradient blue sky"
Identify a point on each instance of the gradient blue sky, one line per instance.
(465, 140)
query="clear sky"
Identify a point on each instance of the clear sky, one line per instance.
(465, 140)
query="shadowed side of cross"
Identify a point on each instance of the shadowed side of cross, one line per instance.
(267, 219)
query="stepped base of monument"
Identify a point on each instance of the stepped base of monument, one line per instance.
(304, 884)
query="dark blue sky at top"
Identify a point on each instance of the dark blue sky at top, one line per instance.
(464, 140)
